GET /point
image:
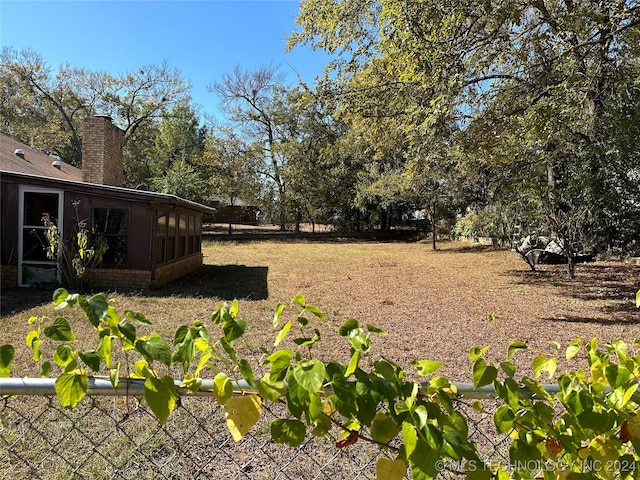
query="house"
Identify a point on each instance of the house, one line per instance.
(234, 211)
(151, 238)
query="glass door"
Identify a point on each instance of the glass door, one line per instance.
(36, 205)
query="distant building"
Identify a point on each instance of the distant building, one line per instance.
(234, 212)
(152, 238)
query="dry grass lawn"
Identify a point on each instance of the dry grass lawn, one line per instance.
(434, 305)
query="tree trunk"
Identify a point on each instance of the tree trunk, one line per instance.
(434, 232)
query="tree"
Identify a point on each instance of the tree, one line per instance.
(231, 167)
(173, 159)
(251, 101)
(59, 100)
(530, 86)
(50, 106)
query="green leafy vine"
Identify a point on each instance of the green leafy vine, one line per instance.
(587, 427)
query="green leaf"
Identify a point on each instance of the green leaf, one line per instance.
(297, 398)
(308, 341)
(353, 363)
(544, 364)
(136, 317)
(141, 369)
(114, 376)
(94, 308)
(427, 367)
(509, 368)
(573, 349)
(105, 347)
(222, 388)
(322, 426)
(242, 413)
(314, 409)
(638, 299)
(409, 438)
(111, 318)
(278, 314)
(424, 461)
(433, 436)
(383, 428)
(205, 362)
(310, 375)
(289, 432)
(191, 383)
(504, 418)
(438, 383)
(348, 327)
(128, 331)
(64, 355)
(270, 389)
(233, 329)
(59, 296)
(161, 396)
(45, 369)
(282, 333)
(155, 348)
(604, 450)
(184, 353)
(514, 347)
(235, 306)
(247, 373)
(60, 331)
(621, 349)
(483, 374)
(91, 359)
(6, 357)
(477, 352)
(536, 388)
(71, 387)
(315, 311)
(33, 341)
(376, 330)
(279, 362)
(299, 299)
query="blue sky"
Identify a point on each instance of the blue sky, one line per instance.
(203, 39)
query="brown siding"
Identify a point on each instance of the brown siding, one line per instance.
(102, 161)
(237, 214)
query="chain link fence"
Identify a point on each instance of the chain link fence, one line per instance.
(117, 437)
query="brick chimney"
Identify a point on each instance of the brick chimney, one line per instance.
(102, 160)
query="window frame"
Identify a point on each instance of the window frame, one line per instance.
(126, 235)
(23, 191)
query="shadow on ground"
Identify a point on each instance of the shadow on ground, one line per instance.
(226, 282)
(613, 282)
(319, 237)
(454, 247)
(16, 300)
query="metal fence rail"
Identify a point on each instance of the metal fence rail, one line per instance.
(111, 435)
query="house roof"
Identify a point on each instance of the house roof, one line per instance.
(34, 161)
(36, 167)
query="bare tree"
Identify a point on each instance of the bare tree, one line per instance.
(251, 101)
